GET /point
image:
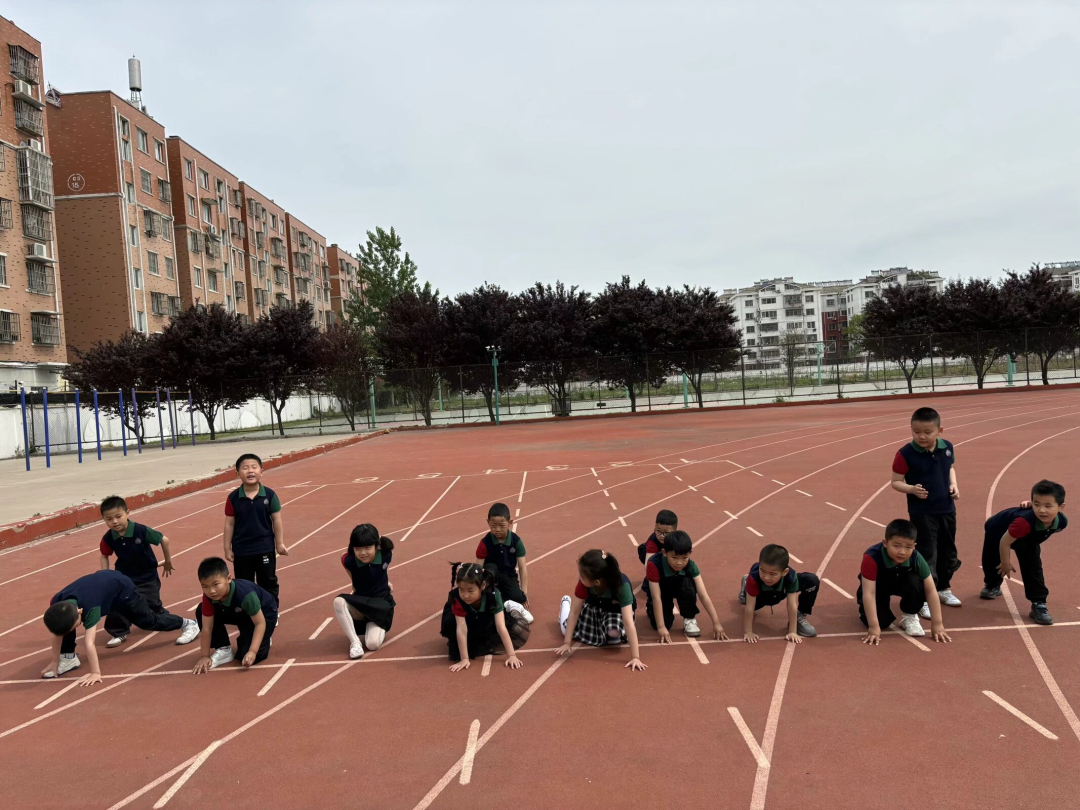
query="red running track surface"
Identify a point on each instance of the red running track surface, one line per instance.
(826, 724)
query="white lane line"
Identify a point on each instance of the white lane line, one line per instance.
(781, 483)
(835, 587)
(270, 683)
(49, 700)
(521, 492)
(796, 559)
(740, 466)
(755, 531)
(470, 753)
(28, 621)
(607, 494)
(599, 482)
(906, 637)
(320, 628)
(759, 475)
(517, 513)
(195, 765)
(677, 478)
(623, 522)
(487, 667)
(868, 520)
(700, 653)
(768, 740)
(751, 743)
(834, 506)
(594, 471)
(192, 608)
(733, 517)
(692, 487)
(613, 506)
(807, 494)
(340, 514)
(428, 512)
(710, 500)
(665, 469)
(632, 540)
(1015, 712)
(684, 461)
(142, 640)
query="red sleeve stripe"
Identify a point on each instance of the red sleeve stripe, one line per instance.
(899, 464)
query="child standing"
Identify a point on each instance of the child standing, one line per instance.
(770, 582)
(895, 568)
(666, 523)
(672, 577)
(602, 609)
(369, 609)
(232, 601)
(474, 620)
(1023, 530)
(254, 534)
(923, 470)
(132, 543)
(503, 553)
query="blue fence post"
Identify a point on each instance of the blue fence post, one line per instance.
(138, 424)
(25, 429)
(45, 415)
(97, 426)
(168, 407)
(78, 426)
(191, 411)
(160, 424)
(123, 428)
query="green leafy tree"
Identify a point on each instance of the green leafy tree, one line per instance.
(414, 340)
(386, 272)
(284, 341)
(897, 325)
(625, 328)
(1046, 313)
(699, 334)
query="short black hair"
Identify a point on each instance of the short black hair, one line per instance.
(665, 517)
(113, 502)
(901, 528)
(499, 510)
(213, 566)
(926, 415)
(61, 617)
(774, 555)
(248, 457)
(1051, 488)
(678, 543)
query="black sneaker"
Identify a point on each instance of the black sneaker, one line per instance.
(1039, 614)
(742, 590)
(990, 593)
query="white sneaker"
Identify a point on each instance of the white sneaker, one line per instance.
(68, 662)
(519, 610)
(924, 612)
(221, 656)
(356, 650)
(947, 598)
(189, 632)
(690, 627)
(564, 613)
(116, 641)
(909, 623)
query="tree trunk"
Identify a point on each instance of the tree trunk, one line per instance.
(1045, 363)
(425, 410)
(278, 410)
(489, 400)
(209, 414)
(633, 397)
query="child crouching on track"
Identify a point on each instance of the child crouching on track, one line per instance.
(474, 622)
(771, 582)
(369, 609)
(602, 609)
(666, 523)
(250, 607)
(671, 576)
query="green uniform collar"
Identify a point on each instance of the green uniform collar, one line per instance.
(1039, 526)
(128, 533)
(939, 446)
(260, 494)
(227, 601)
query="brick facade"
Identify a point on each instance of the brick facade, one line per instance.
(267, 245)
(345, 281)
(309, 268)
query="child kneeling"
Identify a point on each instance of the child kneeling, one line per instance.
(251, 608)
(369, 609)
(672, 577)
(474, 622)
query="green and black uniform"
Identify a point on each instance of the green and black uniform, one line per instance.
(675, 586)
(254, 552)
(240, 606)
(893, 579)
(135, 558)
(482, 634)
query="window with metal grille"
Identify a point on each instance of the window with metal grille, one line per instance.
(238, 290)
(164, 188)
(29, 118)
(9, 327)
(35, 177)
(37, 223)
(195, 241)
(282, 300)
(212, 280)
(213, 248)
(40, 277)
(302, 261)
(7, 220)
(45, 328)
(279, 276)
(159, 303)
(152, 223)
(152, 263)
(170, 273)
(174, 306)
(24, 65)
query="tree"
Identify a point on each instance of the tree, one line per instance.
(205, 351)
(624, 329)
(975, 314)
(699, 332)
(385, 274)
(793, 351)
(109, 368)
(1048, 313)
(284, 341)
(413, 342)
(897, 327)
(344, 368)
(551, 336)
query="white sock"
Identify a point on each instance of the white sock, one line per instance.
(374, 636)
(564, 614)
(345, 619)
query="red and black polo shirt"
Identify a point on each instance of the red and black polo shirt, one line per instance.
(930, 468)
(253, 530)
(1022, 523)
(134, 551)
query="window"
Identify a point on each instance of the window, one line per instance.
(159, 303)
(164, 190)
(189, 169)
(174, 306)
(170, 273)
(273, 221)
(811, 325)
(166, 229)
(204, 179)
(768, 301)
(125, 128)
(159, 151)
(831, 302)
(212, 280)
(198, 278)
(131, 194)
(144, 145)
(45, 328)
(3, 270)
(147, 181)
(140, 321)
(750, 329)
(207, 212)
(7, 218)
(152, 264)
(191, 205)
(809, 299)
(136, 278)
(220, 186)
(238, 289)
(36, 223)
(809, 310)
(751, 342)
(125, 150)
(134, 234)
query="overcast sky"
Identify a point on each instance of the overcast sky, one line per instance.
(708, 143)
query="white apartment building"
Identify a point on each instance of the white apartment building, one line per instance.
(1067, 274)
(871, 286)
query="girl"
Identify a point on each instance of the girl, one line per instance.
(474, 622)
(369, 609)
(602, 610)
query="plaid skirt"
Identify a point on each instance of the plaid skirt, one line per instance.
(597, 627)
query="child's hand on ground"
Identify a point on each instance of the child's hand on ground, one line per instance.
(1005, 569)
(282, 551)
(202, 665)
(563, 650)
(249, 658)
(873, 637)
(635, 665)
(166, 568)
(938, 632)
(793, 638)
(513, 662)
(665, 636)
(719, 634)
(919, 491)
(954, 492)
(751, 637)
(460, 665)
(89, 679)
(1025, 504)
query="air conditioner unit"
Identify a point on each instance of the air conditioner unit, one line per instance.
(37, 251)
(34, 144)
(212, 230)
(25, 91)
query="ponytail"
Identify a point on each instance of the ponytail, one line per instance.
(386, 544)
(601, 565)
(473, 574)
(613, 573)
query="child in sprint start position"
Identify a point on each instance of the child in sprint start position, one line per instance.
(232, 601)
(502, 552)
(602, 609)
(895, 568)
(369, 609)
(475, 622)
(672, 577)
(770, 582)
(666, 523)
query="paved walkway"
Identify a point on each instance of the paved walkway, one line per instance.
(67, 483)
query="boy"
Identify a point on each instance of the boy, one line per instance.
(666, 523)
(770, 582)
(254, 533)
(895, 568)
(91, 597)
(1023, 530)
(132, 543)
(923, 470)
(671, 576)
(232, 601)
(503, 552)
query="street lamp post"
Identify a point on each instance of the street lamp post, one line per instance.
(495, 366)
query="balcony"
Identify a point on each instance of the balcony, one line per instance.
(159, 303)
(238, 290)
(174, 306)
(302, 262)
(24, 65)
(37, 223)
(152, 223)
(281, 300)
(45, 328)
(277, 248)
(29, 118)
(41, 277)
(260, 240)
(9, 327)
(280, 277)
(35, 177)
(212, 248)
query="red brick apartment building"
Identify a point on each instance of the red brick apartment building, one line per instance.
(345, 281)
(32, 350)
(310, 270)
(267, 245)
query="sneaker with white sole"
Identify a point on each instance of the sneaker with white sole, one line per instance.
(518, 609)
(68, 662)
(690, 628)
(742, 590)
(356, 650)
(947, 598)
(189, 632)
(924, 612)
(804, 628)
(911, 626)
(564, 613)
(116, 641)
(221, 656)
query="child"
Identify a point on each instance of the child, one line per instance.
(369, 609)
(232, 601)
(602, 609)
(770, 582)
(132, 543)
(254, 533)
(93, 596)
(666, 523)
(671, 576)
(1023, 530)
(474, 621)
(923, 470)
(503, 553)
(895, 568)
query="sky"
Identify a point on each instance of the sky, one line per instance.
(706, 143)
